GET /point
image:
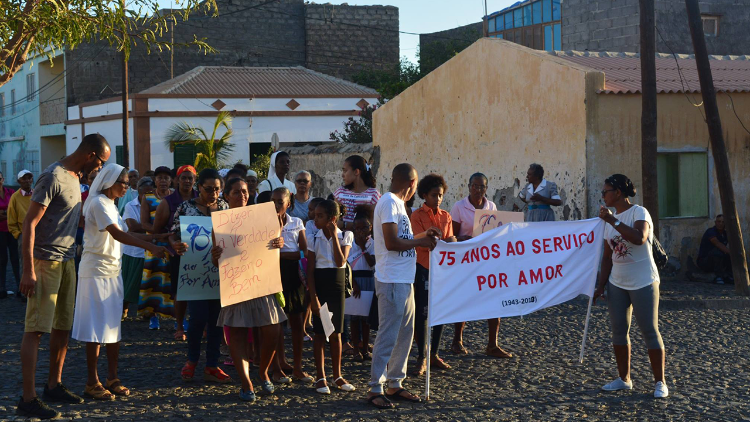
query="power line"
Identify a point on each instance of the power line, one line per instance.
(679, 72)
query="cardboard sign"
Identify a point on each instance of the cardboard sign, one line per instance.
(514, 270)
(486, 220)
(199, 278)
(249, 266)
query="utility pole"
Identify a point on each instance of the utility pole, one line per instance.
(649, 172)
(719, 151)
(125, 135)
(485, 22)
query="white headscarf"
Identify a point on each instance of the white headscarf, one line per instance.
(107, 177)
(272, 177)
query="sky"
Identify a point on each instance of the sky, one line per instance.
(425, 16)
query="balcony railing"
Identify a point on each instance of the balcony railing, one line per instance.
(52, 112)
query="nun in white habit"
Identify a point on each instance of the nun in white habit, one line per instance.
(277, 171)
(100, 293)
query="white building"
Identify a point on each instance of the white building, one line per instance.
(296, 104)
(32, 115)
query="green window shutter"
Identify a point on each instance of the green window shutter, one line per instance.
(693, 180)
(184, 154)
(666, 168)
(118, 155)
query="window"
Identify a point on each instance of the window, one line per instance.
(558, 36)
(555, 10)
(546, 11)
(528, 37)
(537, 12)
(518, 18)
(4, 167)
(499, 23)
(710, 25)
(2, 104)
(683, 184)
(118, 155)
(548, 41)
(184, 154)
(12, 101)
(499, 36)
(538, 40)
(509, 20)
(527, 15)
(32, 162)
(30, 87)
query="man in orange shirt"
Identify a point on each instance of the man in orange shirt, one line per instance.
(431, 189)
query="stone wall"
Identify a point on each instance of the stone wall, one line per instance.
(246, 33)
(342, 40)
(324, 163)
(438, 47)
(613, 25)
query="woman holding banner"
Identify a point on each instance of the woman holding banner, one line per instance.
(462, 214)
(100, 291)
(629, 274)
(203, 313)
(263, 313)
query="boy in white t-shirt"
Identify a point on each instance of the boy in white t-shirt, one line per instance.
(395, 266)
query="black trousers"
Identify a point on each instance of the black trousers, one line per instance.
(421, 295)
(716, 262)
(9, 243)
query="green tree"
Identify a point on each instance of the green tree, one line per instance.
(390, 83)
(357, 130)
(211, 152)
(260, 164)
(29, 28)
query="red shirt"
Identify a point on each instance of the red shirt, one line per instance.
(424, 218)
(4, 201)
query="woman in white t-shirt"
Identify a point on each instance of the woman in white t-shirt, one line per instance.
(629, 274)
(100, 288)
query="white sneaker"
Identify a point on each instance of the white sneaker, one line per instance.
(619, 384)
(661, 390)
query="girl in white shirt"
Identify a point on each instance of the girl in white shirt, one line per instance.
(326, 266)
(362, 260)
(295, 247)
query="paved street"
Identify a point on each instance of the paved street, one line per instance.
(707, 371)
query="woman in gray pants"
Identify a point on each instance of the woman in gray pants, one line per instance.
(629, 274)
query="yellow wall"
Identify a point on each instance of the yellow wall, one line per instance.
(494, 108)
(614, 147)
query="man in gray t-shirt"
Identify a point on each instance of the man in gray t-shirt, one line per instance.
(49, 276)
(60, 192)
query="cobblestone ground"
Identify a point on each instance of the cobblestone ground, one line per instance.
(707, 373)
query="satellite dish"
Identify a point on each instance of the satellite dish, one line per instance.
(275, 141)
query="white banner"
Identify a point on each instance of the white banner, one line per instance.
(514, 270)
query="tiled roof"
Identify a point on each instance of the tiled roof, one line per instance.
(622, 72)
(259, 81)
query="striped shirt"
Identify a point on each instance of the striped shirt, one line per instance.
(351, 200)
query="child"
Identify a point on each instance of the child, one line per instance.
(362, 259)
(326, 263)
(310, 229)
(431, 189)
(293, 232)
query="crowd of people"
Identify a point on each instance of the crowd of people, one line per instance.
(126, 230)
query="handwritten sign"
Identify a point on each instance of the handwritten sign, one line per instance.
(486, 220)
(249, 266)
(198, 278)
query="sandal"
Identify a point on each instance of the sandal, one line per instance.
(345, 386)
(387, 403)
(188, 371)
(497, 352)
(116, 387)
(459, 349)
(324, 389)
(400, 397)
(216, 375)
(179, 335)
(358, 357)
(98, 392)
(348, 350)
(304, 379)
(266, 388)
(281, 380)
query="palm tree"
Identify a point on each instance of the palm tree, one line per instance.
(211, 152)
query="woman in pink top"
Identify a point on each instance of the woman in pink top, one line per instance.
(7, 241)
(358, 189)
(462, 214)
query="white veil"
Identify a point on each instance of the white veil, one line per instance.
(107, 177)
